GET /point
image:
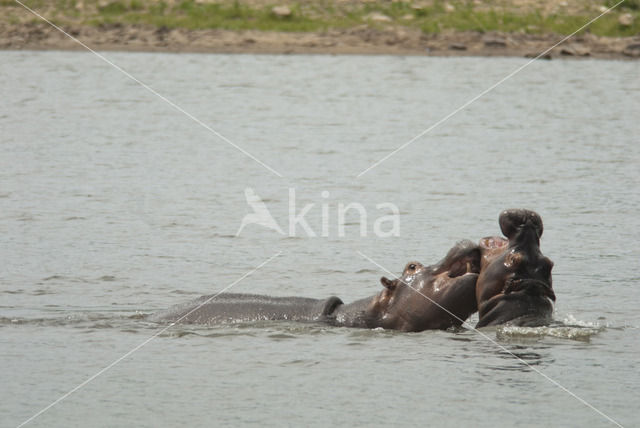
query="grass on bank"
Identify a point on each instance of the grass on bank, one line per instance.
(433, 16)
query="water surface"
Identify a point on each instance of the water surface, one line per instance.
(114, 205)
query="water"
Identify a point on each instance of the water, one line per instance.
(114, 205)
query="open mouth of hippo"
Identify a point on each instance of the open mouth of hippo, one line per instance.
(463, 270)
(530, 286)
(463, 258)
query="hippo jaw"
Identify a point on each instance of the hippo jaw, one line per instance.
(516, 268)
(415, 301)
(529, 286)
(523, 257)
(515, 279)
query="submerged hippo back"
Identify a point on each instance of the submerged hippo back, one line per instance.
(247, 307)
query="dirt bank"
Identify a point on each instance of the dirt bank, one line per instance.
(396, 27)
(359, 40)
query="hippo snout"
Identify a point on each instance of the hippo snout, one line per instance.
(513, 220)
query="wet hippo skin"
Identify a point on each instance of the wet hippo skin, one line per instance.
(439, 296)
(514, 285)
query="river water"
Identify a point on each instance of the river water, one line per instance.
(114, 205)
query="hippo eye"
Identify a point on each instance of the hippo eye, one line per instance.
(411, 268)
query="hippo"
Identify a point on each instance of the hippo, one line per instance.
(411, 303)
(514, 285)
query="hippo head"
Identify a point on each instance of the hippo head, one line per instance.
(515, 263)
(430, 297)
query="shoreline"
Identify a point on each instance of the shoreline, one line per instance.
(355, 41)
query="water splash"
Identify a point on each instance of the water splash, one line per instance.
(570, 328)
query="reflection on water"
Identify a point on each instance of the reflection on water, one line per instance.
(526, 358)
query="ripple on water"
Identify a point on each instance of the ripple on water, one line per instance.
(64, 279)
(281, 336)
(374, 271)
(82, 320)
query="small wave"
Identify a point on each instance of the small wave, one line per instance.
(328, 271)
(367, 271)
(281, 336)
(138, 316)
(65, 278)
(42, 292)
(186, 292)
(219, 235)
(174, 333)
(573, 321)
(75, 320)
(97, 325)
(558, 330)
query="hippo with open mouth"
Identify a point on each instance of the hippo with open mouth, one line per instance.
(439, 296)
(514, 285)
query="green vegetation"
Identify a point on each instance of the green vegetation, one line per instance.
(628, 4)
(192, 15)
(430, 16)
(531, 23)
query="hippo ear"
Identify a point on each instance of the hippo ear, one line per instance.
(387, 283)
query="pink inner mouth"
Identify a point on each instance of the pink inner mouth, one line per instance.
(493, 242)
